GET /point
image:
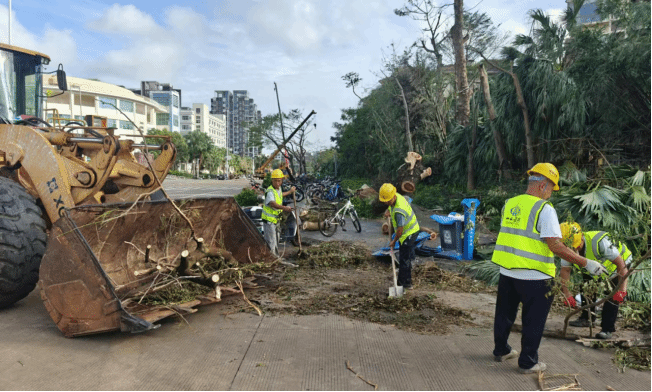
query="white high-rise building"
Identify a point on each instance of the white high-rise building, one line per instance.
(199, 118)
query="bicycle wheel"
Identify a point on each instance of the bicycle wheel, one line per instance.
(356, 221)
(326, 224)
(299, 195)
(316, 197)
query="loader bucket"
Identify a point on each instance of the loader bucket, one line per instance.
(95, 259)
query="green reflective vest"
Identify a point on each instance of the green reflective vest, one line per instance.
(591, 241)
(404, 208)
(519, 245)
(271, 214)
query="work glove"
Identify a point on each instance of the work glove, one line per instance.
(619, 297)
(594, 268)
(570, 301)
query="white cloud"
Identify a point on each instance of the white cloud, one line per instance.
(124, 19)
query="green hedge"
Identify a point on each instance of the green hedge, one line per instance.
(180, 174)
(247, 198)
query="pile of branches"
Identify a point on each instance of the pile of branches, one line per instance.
(447, 280)
(337, 254)
(202, 273)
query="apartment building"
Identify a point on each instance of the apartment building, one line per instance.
(199, 118)
(240, 111)
(91, 97)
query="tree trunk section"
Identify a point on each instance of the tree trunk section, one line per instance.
(526, 120)
(463, 111)
(503, 164)
(470, 171)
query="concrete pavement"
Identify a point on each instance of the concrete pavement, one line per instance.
(243, 351)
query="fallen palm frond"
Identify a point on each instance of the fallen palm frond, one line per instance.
(446, 280)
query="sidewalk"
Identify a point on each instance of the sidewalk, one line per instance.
(247, 352)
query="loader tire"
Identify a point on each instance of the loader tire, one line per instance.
(22, 242)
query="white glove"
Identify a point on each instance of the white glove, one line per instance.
(595, 268)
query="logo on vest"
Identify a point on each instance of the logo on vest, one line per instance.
(515, 217)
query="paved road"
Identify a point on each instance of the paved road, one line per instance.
(218, 351)
(181, 188)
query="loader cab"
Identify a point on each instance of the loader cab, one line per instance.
(21, 82)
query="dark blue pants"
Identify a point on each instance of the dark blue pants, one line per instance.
(405, 256)
(536, 305)
(609, 308)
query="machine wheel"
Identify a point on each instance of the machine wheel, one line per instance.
(22, 242)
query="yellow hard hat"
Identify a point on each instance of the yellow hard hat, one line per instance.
(387, 192)
(277, 174)
(571, 233)
(547, 170)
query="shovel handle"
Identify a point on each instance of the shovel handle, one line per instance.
(296, 218)
(391, 252)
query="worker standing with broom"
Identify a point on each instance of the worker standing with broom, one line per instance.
(406, 227)
(272, 208)
(529, 239)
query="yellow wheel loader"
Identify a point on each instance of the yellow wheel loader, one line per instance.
(77, 217)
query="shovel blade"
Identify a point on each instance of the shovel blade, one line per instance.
(396, 291)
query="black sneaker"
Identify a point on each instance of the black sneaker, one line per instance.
(603, 335)
(581, 322)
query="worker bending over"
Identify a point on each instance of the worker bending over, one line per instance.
(406, 229)
(272, 208)
(596, 245)
(527, 243)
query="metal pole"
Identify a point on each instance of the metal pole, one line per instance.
(9, 22)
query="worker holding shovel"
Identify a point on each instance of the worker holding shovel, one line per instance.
(596, 245)
(406, 227)
(272, 209)
(527, 243)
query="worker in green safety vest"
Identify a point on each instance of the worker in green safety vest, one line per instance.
(616, 259)
(406, 229)
(529, 239)
(272, 208)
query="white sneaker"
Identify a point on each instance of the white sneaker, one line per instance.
(538, 367)
(502, 358)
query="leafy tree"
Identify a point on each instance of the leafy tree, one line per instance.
(199, 145)
(215, 159)
(177, 139)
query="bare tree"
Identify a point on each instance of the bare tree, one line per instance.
(426, 11)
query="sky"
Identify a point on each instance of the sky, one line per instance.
(305, 46)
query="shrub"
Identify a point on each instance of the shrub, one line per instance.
(364, 208)
(180, 174)
(247, 198)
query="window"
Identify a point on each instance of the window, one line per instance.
(198, 110)
(106, 102)
(175, 120)
(185, 127)
(126, 125)
(162, 99)
(175, 101)
(162, 119)
(198, 120)
(111, 123)
(126, 106)
(185, 118)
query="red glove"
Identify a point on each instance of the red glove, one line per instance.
(570, 301)
(620, 296)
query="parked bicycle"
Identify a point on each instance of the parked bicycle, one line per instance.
(328, 222)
